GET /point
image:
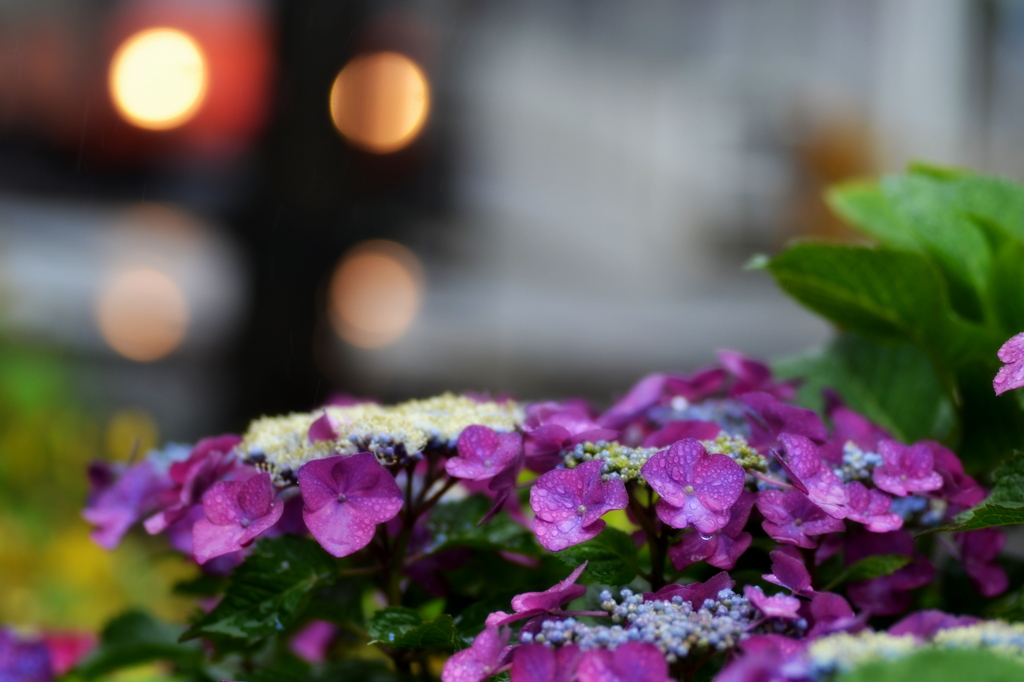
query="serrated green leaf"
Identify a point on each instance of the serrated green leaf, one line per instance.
(611, 556)
(957, 243)
(404, 628)
(882, 293)
(940, 665)
(870, 567)
(269, 590)
(893, 384)
(864, 206)
(454, 524)
(136, 637)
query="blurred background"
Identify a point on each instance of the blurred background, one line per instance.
(216, 209)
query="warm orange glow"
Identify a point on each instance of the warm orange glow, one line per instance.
(375, 293)
(142, 314)
(380, 101)
(158, 78)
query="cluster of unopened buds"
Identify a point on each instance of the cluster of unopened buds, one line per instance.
(699, 463)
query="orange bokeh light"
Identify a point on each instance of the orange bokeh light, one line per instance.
(375, 293)
(142, 314)
(380, 101)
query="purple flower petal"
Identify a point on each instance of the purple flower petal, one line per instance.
(887, 595)
(906, 470)
(24, 660)
(538, 663)
(777, 606)
(791, 517)
(724, 548)
(345, 498)
(484, 454)
(322, 429)
(927, 623)
(831, 613)
(484, 659)
(210, 461)
(769, 418)
(311, 642)
(871, 507)
(645, 394)
(803, 463)
(681, 430)
(979, 550)
(697, 489)
(789, 571)
(630, 662)
(117, 507)
(1011, 375)
(569, 503)
(694, 593)
(751, 375)
(957, 487)
(237, 512)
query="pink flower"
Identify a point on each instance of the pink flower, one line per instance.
(769, 418)
(803, 463)
(532, 604)
(777, 606)
(979, 550)
(569, 504)
(538, 663)
(681, 430)
(631, 662)
(483, 454)
(789, 571)
(487, 657)
(905, 469)
(792, 518)
(311, 642)
(552, 427)
(1011, 375)
(694, 593)
(697, 489)
(751, 375)
(237, 512)
(723, 548)
(118, 506)
(211, 460)
(345, 498)
(871, 507)
(957, 487)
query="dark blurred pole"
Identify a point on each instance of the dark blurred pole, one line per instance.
(314, 198)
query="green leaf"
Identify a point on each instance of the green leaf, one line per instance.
(612, 557)
(893, 384)
(269, 590)
(454, 524)
(863, 205)
(956, 242)
(870, 567)
(404, 628)
(996, 200)
(136, 637)
(1003, 507)
(897, 295)
(940, 665)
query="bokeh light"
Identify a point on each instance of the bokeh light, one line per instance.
(380, 101)
(142, 314)
(158, 78)
(375, 293)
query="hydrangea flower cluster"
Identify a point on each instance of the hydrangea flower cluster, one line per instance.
(700, 464)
